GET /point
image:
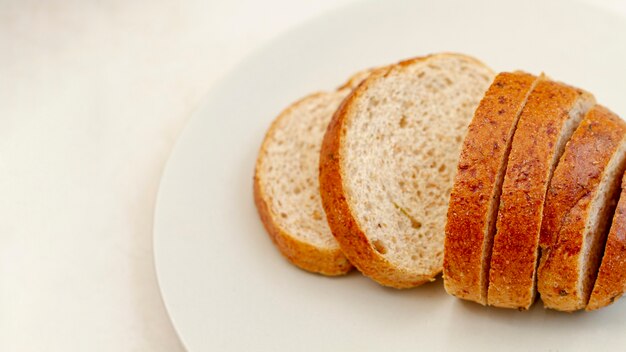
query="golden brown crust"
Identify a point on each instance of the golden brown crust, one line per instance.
(530, 165)
(326, 261)
(343, 224)
(475, 193)
(301, 254)
(611, 281)
(575, 184)
(580, 169)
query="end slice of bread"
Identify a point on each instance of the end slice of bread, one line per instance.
(551, 115)
(388, 162)
(476, 193)
(579, 207)
(286, 184)
(611, 280)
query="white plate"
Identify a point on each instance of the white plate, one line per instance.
(224, 283)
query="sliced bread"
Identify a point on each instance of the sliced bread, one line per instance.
(476, 193)
(286, 184)
(578, 211)
(551, 115)
(388, 161)
(611, 280)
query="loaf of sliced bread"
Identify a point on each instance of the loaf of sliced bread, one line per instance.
(286, 183)
(579, 207)
(476, 193)
(388, 161)
(551, 115)
(611, 280)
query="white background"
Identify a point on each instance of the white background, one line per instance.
(93, 94)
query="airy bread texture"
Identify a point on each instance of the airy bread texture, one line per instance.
(388, 161)
(579, 207)
(611, 280)
(286, 184)
(551, 115)
(475, 196)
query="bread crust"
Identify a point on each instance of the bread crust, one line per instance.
(330, 262)
(515, 248)
(611, 281)
(343, 224)
(357, 78)
(326, 261)
(575, 184)
(476, 191)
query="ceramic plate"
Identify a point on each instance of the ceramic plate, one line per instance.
(227, 287)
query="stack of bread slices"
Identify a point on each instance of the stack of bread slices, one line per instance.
(509, 184)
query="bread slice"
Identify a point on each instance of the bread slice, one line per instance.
(388, 161)
(286, 184)
(476, 193)
(611, 280)
(578, 210)
(551, 115)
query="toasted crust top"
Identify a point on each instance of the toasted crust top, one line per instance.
(568, 207)
(476, 192)
(580, 169)
(533, 157)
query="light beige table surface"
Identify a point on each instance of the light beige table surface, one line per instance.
(93, 94)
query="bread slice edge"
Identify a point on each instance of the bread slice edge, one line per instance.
(463, 276)
(571, 258)
(512, 275)
(345, 227)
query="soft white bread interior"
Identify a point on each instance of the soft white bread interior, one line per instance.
(388, 162)
(286, 182)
